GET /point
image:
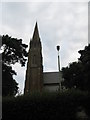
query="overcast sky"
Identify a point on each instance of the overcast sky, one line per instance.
(59, 23)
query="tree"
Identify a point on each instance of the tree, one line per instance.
(9, 85)
(85, 60)
(12, 51)
(77, 73)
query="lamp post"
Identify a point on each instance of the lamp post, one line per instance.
(58, 48)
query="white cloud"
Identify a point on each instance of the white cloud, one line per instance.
(44, 1)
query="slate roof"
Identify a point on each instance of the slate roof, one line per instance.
(51, 77)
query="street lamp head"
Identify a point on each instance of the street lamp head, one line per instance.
(58, 47)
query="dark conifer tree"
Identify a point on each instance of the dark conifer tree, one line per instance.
(12, 51)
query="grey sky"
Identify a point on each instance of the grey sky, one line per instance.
(63, 23)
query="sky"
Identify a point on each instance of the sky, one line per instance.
(59, 23)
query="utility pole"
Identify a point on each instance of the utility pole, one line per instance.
(58, 48)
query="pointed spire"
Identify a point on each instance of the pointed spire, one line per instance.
(36, 33)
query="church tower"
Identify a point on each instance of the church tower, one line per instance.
(34, 72)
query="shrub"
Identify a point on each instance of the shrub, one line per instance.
(45, 106)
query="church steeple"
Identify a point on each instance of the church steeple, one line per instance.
(35, 41)
(36, 33)
(34, 72)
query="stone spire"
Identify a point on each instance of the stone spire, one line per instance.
(34, 72)
(36, 33)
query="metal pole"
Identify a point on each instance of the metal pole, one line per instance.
(58, 48)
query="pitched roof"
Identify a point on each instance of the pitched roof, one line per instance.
(51, 77)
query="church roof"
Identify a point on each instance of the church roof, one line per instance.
(51, 77)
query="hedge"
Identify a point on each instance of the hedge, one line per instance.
(45, 106)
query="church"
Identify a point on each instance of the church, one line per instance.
(36, 79)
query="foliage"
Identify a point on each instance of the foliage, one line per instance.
(12, 51)
(9, 85)
(52, 106)
(85, 60)
(77, 73)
